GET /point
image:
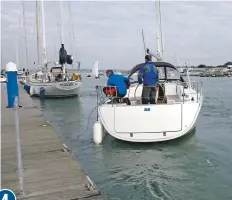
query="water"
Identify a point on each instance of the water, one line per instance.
(198, 166)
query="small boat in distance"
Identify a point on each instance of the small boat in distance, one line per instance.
(20, 72)
(118, 73)
(2, 79)
(101, 74)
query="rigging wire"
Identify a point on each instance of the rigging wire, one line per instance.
(72, 27)
(58, 26)
(61, 19)
(144, 29)
(37, 32)
(144, 45)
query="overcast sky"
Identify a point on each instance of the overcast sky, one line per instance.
(195, 32)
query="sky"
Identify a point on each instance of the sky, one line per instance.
(195, 32)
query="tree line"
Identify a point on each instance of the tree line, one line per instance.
(211, 66)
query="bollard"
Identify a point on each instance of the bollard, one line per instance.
(18, 143)
(12, 83)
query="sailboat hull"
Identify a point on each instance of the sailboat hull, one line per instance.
(55, 89)
(163, 122)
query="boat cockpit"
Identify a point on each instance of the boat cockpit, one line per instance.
(171, 87)
(167, 72)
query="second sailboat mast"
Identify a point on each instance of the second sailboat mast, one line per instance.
(44, 35)
(25, 35)
(37, 31)
(62, 33)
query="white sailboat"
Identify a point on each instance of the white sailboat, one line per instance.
(95, 72)
(118, 73)
(53, 82)
(177, 107)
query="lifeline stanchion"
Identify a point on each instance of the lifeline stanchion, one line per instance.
(97, 100)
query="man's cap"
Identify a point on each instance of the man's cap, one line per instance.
(147, 57)
(109, 71)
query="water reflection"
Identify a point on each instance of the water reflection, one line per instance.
(196, 166)
(143, 168)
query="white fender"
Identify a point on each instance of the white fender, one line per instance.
(97, 133)
(31, 90)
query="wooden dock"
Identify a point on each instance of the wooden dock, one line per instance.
(49, 171)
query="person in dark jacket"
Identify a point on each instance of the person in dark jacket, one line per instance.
(148, 75)
(62, 55)
(117, 86)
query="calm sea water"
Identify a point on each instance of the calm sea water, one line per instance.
(198, 166)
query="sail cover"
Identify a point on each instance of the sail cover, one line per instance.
(62, 55)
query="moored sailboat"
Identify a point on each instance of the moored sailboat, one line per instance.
(54, 80)
(174, 114)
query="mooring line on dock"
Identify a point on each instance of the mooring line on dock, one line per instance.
(87, 123)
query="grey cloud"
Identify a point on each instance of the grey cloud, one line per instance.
(198, 32)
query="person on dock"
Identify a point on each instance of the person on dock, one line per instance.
(62, 55)
(148, 75)
(117, 86)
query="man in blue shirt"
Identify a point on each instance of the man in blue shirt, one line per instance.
(120, 85)
(148, 75)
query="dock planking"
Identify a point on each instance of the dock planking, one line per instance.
(49, 171)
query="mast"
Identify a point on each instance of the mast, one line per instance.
(62, 35)
(159, 39)
(61, 19)
(58, 25)
(25, 35)
(73, 34)
(1, 60)
(16, 47)
(187, 73)
(70, 26)
(44, 35)
(161, 32)
(37, 31)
